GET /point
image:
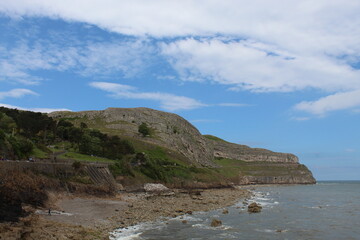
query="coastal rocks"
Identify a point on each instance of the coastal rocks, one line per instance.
(155, 188)
(225, 211)
(254, 208)
(215, 223)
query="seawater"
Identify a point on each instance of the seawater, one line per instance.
(327, 210)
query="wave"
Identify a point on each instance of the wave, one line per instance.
(134, 232)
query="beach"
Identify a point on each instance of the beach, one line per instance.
(81, 217)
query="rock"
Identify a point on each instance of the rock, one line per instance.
(229, 150)
(181, 137)
(189, 212)
(225, 211)
(216, 223)
(254, 208)
(184, 221)
(155, 187)
(172, 131)
(119, 187)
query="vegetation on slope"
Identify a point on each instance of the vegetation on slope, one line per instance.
(211, 137)
(25, 133)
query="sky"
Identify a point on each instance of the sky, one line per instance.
(281, 75)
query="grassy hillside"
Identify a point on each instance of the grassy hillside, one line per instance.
(211, 137)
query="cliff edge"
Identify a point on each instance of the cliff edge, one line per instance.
(173, 132)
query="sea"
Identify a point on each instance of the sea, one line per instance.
(326, 210)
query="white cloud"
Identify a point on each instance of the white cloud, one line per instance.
(244, 66)
(286, 45)
(167, 101)
(299, 26)
(17, 64)
(16, 93)
(233, 105)
(300, 119)
(278, 21)
(43, 110)
(337, 101)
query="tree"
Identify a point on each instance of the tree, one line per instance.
(144, 129)
(83, 125)
(6, 123)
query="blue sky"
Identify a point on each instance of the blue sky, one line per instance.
(282, 76)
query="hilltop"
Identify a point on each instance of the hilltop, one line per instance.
(181, 141)
(101, 153)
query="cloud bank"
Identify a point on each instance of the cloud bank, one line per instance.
(42, 110)
(167, 101)
(16, 93)
(258, 46)
(18, 63)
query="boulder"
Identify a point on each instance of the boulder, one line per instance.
(225, 211)
(216, 223)
(254, 208)
(155, 187)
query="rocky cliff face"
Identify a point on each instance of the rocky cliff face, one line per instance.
(175, 133)
(289, 173)
(168, 130)
(225, 149)
(308, 179)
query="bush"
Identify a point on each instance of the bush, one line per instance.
(17, 188)
(121, 168)
(144, 129)
(76, 165)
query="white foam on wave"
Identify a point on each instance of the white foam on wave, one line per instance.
(134, 232)
(208, 227)
(129, 233)
(264, 199)
(188, 218)
(271, 230)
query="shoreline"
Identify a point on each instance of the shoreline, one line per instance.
(83, 217)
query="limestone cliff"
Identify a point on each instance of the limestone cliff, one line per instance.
(223, 149)
(174, 133)
(284, 173)
(168, 130)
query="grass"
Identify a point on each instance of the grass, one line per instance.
(171, 165)
(211, 137)
(84, 158)
(37, 153)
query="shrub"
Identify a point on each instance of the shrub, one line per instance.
(76, 165)
(144, 129)
(17, 188)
